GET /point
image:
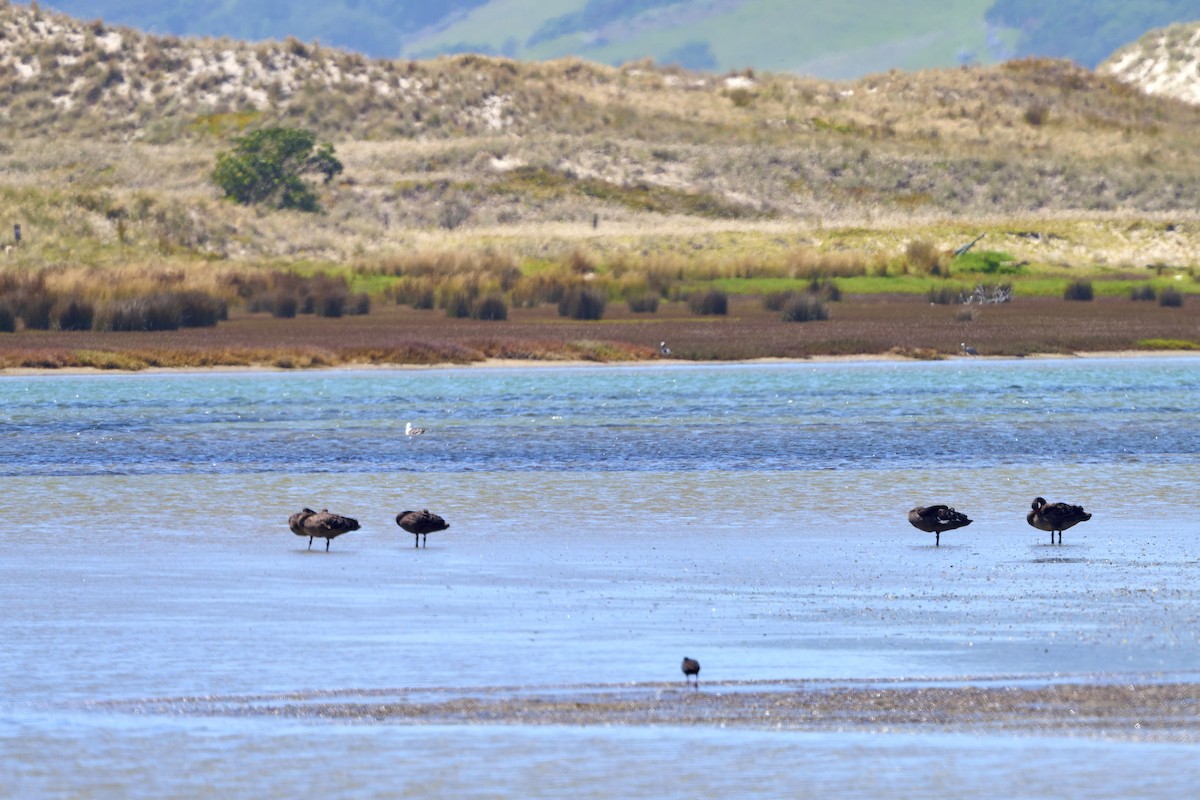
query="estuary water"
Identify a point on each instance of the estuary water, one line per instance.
(160, 618)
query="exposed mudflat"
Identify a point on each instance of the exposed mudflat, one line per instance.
(1141, 711)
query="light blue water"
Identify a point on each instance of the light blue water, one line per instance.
(605, 521)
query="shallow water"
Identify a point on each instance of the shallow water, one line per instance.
(605, 522)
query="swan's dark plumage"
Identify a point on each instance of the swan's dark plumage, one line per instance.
(1055, 517)
(323, 524)
(690, 667)
(421, 524)
(935, 519)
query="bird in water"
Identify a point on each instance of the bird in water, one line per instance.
(412, 430)
(421, 524)
(966, 348)
(691, 668)
(663, 350)
(328, 526)
(935, 519)
(1055, 517)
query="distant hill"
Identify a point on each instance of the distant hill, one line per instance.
(813, 37)
(1163, 62)
(1085, 31)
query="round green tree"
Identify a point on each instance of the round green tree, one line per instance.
(266, 167)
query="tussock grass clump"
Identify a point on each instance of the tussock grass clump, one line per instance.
(1079, 291)
(775, 301)
(491, 308)
(646, 303)
(714, 302)
(8, 320)
(804, 308)
(582, 303)
(157, 313)
(165, 311)
(944, 295)
(287, 294)
(1144, 292)
(923, 256)
(74, 314)
(1170, 298)
(419, 293)
(279, 304)
(458, 304)
(825, 289)
(35, 307)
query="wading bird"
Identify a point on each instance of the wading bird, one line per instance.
(1055, 517)
(328, 526)
(935, 519)
(690, 667)
(663, 350)
(421, 524)
(966, 348)
(410, 430)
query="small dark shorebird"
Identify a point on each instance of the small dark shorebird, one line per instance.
(421, 524)
(1055, 517)
(935, 519)
(328, 526)
(690, 667)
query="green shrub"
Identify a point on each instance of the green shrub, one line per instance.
(1078, 290)
(8, 320)
(804, 308)
(265, 167)
(581, 303)
(712, 302)
(1143, 292)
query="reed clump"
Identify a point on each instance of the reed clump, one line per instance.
(582, 303)
(804, 308)
(713, 302)
(1079, 291)
(1170, 298)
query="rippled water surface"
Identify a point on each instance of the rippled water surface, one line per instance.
(604, 522)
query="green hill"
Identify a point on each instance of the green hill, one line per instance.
(804, 36)
(847, 39)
